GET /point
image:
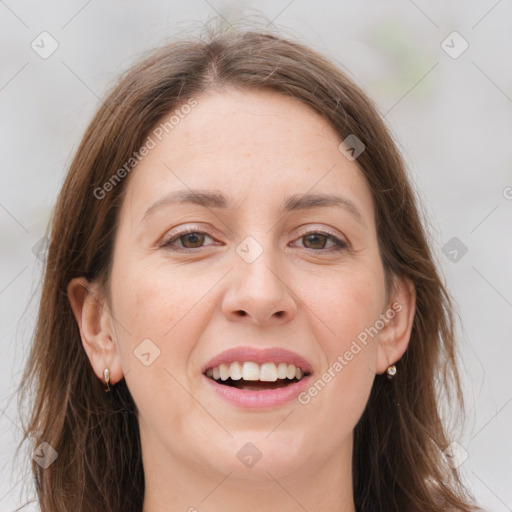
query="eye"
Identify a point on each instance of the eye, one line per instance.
(190, 239)
(317, 240)
(194, 239)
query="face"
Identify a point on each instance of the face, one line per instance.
(251, 270)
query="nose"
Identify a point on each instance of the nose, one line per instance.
(259, 291)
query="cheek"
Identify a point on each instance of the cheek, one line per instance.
(153, 311)
(347, 302)
(348, 306)
(161, 320)
(157, 305)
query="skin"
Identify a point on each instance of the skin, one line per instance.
(256, 148)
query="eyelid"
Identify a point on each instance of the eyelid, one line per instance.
(340, 241)
(185, 231)
(320, 229)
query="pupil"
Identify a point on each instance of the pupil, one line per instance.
(313, 237)
(194, 238)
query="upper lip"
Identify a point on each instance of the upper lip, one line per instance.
(255, 355)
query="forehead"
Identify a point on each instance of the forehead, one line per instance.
(253, 144)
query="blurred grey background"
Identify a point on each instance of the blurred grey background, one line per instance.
(440, 73)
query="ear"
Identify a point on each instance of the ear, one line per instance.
(96, 328)
(395, 336)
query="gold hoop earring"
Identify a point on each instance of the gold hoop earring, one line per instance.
(106, 376)
(391, 371)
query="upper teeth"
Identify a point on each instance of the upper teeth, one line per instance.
(268, 372)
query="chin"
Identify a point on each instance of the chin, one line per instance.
(259, 458)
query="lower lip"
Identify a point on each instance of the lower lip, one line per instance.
(264, 399)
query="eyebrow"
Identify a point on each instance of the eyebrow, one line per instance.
(215, 199)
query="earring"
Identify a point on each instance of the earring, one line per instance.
(391, 371)
(106, 376)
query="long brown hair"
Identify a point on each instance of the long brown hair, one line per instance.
(398, 442)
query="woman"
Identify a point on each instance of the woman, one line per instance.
(237, 258)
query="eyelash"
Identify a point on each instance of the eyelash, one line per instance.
(169, 243)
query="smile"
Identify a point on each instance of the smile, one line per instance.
(256, 378)
(253, 376)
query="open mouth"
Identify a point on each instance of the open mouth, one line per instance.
(256, 377)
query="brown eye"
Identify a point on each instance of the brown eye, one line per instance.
(192, 240)
(188, 240)
(317, 241)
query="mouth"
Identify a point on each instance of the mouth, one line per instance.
(251, 376)
(257, 378)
